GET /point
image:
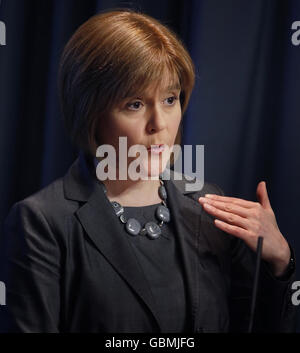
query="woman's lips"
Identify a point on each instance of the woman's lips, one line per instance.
(156, 149)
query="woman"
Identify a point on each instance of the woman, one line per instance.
(90, 255)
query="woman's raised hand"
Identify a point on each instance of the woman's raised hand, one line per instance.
(248, 220)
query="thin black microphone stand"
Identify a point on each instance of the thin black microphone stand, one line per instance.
(255, 283)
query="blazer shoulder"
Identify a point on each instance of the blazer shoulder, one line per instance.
(46, 205)
(192, 186)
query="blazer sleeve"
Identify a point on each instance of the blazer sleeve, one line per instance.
(274, 311)
(30, 269)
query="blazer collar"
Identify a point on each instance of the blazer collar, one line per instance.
(79, 182)
(97, 217)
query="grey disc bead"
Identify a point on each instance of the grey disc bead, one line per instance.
(133, 226)
(117, 208)
(163, 213)
(162, 192)
(153, 230)
(123, 218)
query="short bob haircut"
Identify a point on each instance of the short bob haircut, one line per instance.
(113, 55)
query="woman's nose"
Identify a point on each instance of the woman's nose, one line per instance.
(157, 121)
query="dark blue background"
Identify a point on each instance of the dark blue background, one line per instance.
(244, 108)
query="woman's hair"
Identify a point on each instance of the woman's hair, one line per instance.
(111, 56)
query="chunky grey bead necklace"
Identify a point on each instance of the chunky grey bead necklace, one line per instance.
(151, 229)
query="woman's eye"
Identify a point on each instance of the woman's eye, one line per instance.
(134, 105)
(171, 100)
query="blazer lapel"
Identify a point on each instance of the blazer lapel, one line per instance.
(99, 221)
(186, 215)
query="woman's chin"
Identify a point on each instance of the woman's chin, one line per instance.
(153, 169)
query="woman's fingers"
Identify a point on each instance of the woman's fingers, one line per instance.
(233, 230)
(262, 195)
(233, 200)
(225, 216)
(226, 206)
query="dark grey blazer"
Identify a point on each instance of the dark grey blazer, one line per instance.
(68, 267)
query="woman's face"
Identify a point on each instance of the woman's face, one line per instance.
(148, 118)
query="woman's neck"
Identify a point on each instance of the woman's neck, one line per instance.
(133, 193)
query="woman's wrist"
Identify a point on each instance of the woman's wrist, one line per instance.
(284, 268)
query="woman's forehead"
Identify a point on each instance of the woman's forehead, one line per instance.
(170, 86)
(166, 83)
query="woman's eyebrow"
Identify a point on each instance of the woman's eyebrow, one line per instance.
(173, 87)
(167, 89)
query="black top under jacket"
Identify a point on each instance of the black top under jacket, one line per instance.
(161, 263)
